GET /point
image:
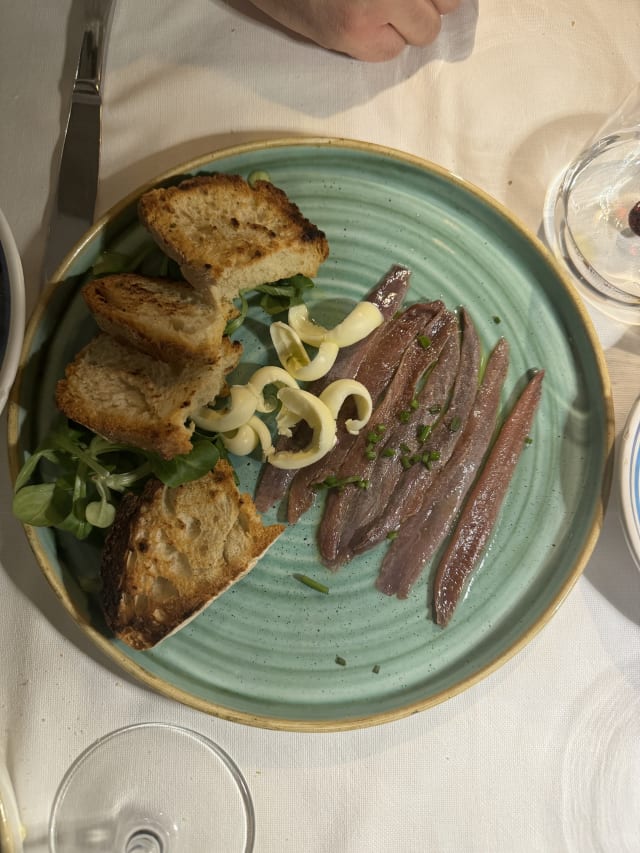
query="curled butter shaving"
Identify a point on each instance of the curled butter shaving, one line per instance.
(337, 392)
(241, 441)
(359, 323)
(294, 357)
(244, 440)
(299, 405)
(245, 401)
(265, 376)
(243, 406)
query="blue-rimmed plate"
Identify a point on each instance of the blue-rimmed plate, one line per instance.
(629, 480)
(12, 310)
(265, 652)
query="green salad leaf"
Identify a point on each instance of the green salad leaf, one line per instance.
(80, 477)
(188, 467)
(274, 298)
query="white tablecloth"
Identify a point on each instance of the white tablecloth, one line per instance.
(544, 755)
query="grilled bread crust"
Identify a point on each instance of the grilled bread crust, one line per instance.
(166, 319)
(228, 236)
(172, 551)
(130, 397)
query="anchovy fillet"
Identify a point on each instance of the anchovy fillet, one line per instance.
(421, 534)
(397, 397)
(404, 447)
(401, 497)
(478, 518)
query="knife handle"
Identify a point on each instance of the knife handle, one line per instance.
(98, 18)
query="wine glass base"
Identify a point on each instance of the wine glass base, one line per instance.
(152, 788)
(590, 284)
(144, 841)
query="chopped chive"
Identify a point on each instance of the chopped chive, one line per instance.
(496, 319)
(392, 534)
(528, 440)
(376, 668)
(423, 433)
(370, 454)
(307, 581)
(424, 341)
(414, 404)
(388, 452)
(435, 410)
(454, 426)
(340, 661)
(428, 458)
(376, 434)
(405, 462)
(405, 448)
(333, 482)
(404, 416)
(328, 483)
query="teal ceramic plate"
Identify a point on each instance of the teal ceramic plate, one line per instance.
(265, 652)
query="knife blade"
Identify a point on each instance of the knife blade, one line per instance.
(75, 198)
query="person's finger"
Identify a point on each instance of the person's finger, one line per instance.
(418, 23)
(446, 6)
(380, 44)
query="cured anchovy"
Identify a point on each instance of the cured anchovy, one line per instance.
(380, 361)
(416, 360)
(478, 518)
(388, 295)
(274, 482)
(421, 534)
(390, 292)
(403, 446)
(401, 498)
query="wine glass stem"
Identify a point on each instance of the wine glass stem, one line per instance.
(143, 841)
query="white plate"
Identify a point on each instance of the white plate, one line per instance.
(11, 309)
(629, 480)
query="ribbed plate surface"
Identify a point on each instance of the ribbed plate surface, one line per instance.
(264, 654)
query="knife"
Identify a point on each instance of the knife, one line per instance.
(75, 199)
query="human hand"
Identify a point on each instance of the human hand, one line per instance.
(372, 30)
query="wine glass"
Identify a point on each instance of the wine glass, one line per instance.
(152, 788)
(592, 215)
(11, 829)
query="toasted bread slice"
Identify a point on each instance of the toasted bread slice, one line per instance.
(228, 236)
(128, 396)
(167, 319)
(171, 551)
